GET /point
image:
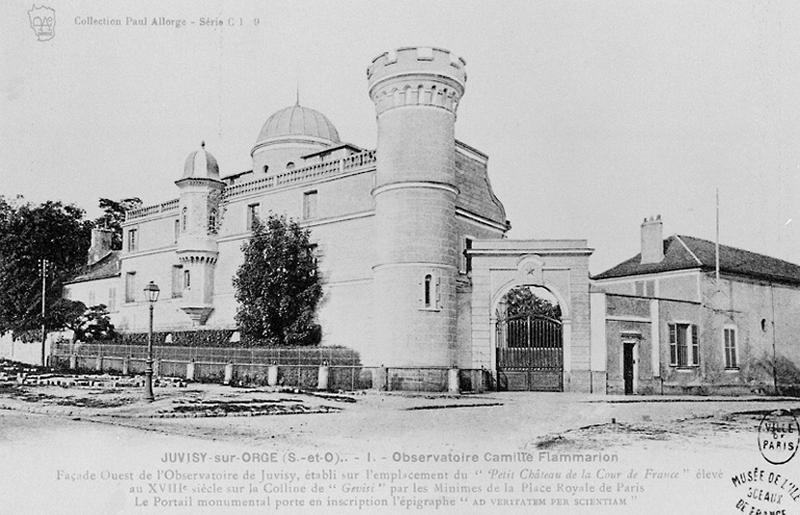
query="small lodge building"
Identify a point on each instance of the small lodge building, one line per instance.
(663, 323)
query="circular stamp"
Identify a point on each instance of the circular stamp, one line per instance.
(778, 436)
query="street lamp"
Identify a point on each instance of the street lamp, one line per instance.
(151, 294)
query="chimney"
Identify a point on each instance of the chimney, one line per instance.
(652, 240)
(101, 245)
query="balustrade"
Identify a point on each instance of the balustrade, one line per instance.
(305, 174)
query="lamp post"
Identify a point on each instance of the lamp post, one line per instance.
(151, 294)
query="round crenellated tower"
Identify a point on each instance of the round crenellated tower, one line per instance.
(416, 91)
(197, 250)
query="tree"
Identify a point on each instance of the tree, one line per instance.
(86, 323)
(523, 301)
(278, 285)
(114, 215)
(96, 324)
(28, 233)
(68, 314)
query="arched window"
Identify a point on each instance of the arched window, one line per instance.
(184, 216)
(187, 280)
(290, 165)
(428, 290)
(212, 221)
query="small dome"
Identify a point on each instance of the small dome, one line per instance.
(297, 120)
(200, 164)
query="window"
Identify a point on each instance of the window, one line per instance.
(130, 287)
(112, 299)
(252, 215)
(729, 337)
(290, 165)
(467, 267)
(429, 292)
(177, 281)
(176, 231)
(684, 350)
(428, 287)
(212, 221)
(310, 204)
(187, 280)
(132, 242)
(184, 218)
(266, 168)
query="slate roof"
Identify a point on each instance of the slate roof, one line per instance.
(686, 252)
(107, 266)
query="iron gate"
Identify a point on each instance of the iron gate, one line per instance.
(530, 354)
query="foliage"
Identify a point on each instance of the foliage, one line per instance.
(523, 301)
(278, 285)
(198, 338)
(114, 215)
(786, 373)
(96, 324)
(28, 232)
(68, 314)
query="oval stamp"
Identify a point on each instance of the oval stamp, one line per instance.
(778, 436)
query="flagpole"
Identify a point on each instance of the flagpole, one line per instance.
(716, 245)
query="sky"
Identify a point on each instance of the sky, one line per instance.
(594, 114)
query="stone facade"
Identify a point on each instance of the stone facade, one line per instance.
(410, 236)
(741, 323)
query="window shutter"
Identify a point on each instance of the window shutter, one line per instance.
(420, 294)
(673, 347)
(438, 294)
(695, 347)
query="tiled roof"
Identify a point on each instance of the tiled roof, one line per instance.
(685, 252)
(106, 267)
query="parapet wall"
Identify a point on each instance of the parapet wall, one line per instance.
(416, 76)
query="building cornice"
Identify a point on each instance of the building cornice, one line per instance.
(414, 184)
(480, 219)
(646, 276)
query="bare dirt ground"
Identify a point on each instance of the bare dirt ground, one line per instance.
(551, 420)
(46, 429)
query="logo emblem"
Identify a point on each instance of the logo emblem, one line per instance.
(778, 436)
(43, 22)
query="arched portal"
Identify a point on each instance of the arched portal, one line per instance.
(529, 340)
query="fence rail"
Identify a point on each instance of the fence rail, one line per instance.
(296, 366)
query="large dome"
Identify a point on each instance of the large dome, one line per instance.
(298, 121)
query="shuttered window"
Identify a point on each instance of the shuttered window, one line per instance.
(684, 348)
(130, 286)
(729, 335)
(673, 346)
(177, 281)
(309, 204)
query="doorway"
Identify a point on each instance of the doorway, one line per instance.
(628, 362)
